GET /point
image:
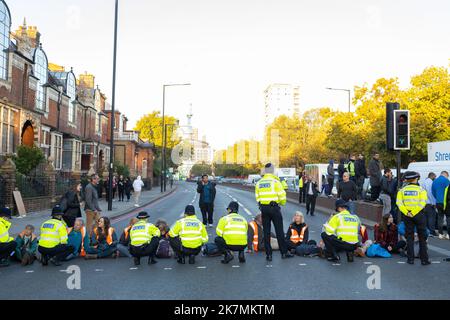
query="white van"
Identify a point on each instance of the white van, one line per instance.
(424, 168)
(252, 179)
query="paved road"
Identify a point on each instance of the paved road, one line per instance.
(296, 278)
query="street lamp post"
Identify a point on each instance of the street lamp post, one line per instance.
(163, 159)
(113, 107)
(349, 96)
(165, 147)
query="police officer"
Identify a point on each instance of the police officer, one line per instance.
(7, 243)
(232, 234)
(270, 195)
(187, 236)
(53, 240)
(341, 233)
(411, 201)
(144, 239)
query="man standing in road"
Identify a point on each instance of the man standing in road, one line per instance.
(375, 168)
(92, 207)
(270, 195)
(438, 189)
(347, 192)
(207, 191)
(360, 174)
(430, 208)
(386, 191)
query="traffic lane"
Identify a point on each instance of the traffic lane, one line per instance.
(293, 279)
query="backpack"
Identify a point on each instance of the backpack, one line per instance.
(211, 250)
(163, 249)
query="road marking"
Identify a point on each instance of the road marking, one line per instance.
(302, 264)
(167, 268)
(235, 266)
(247, 211)
(435, 262)
(336, 264)
(401, 262)
(367, 262)
(133, 268)
(98, 270)
(201, 267)
(269, 266)
(29, 271)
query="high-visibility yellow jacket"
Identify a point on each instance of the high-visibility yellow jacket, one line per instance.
(284, 184)
(53, 233)
(191, 231)
(300, 182)
(269, 189)
(233, 229)
(143, 232)
(4, 231)
(445, 198)
(411, 199)
(344, 226)
(351, 168)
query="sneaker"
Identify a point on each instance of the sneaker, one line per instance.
(447, 237)
(227, 258)
(334, 258)
(191, 259)
(426, 262)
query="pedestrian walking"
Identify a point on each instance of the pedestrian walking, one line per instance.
(347, 191)
(361, 175)
(70, 204)
(121, 188)
(138, 184)
(207, 191)
(270, 195)
(411, 201)
(386, 191)
(91, 207)
(312, 191)
(330, 177)
(430, 208)
(375, 167)
(438, 189)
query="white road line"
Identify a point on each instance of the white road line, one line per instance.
(269, 266)
(401, 262)
(133, 268)
(98, 270)
(235, 266)
(367, 262)
(63, 271)
(29, 271)
(167, 268)
(435, 262)
(302, 264)
(201, 267)
(336, 264)
(247, 211)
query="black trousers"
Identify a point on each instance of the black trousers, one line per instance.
(273, 214)
(146, 250)
(223, 246)
(301, 196)
(401, 245)
(333, 245)
(430, 213)
(375, 192)
(440, 218)
(360, 186)
(418, 222)
(7, 248)
(207, 212)
(178, 248)
(310, 204)
(60, 252)
(330, 186)
(69, 220)
(121, 194)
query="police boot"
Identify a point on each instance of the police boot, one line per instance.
(181, 259)
(227, 258)
(44, 260)
(426, 262)
(191, 259)
(137, 261)
(286, 255)
(151, 260)
(241, 257)
(55, 262)
(335, 258)
(4, 263)
(350, 256)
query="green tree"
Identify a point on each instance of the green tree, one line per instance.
(121, 169)
(150, 128)
(28, 158)
(200, 169)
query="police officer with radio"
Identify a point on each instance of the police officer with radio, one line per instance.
(411, 201)
(270, 195)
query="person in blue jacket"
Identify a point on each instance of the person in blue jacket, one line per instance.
(438, 190)
(78, 239)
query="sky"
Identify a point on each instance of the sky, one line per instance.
(231, 50)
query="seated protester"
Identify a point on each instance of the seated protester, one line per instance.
(27, 244)
(232, 234)
(297, 233)
(123, 247)
(53, 242)
(187, 236)
(78, 239)
(255, 235)
(144, 239)
(103, 243)
(341, 233)
(7, 243)
(386, 235)
(164, 250)
(365, 242)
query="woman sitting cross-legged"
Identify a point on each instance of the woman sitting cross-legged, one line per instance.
(386, 235)
(103, 240)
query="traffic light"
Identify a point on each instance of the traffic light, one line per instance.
(390, 107)
(401, 130)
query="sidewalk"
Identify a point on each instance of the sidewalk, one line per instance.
(119, 208)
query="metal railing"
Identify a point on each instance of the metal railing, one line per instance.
(127, 136)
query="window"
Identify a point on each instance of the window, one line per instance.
(71, 92)
(78, 155)
(41, 72)
(5, 26)
(45, 141)
(7, 122)
(57, 151)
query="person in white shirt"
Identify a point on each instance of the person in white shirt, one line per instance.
(138, 184)
(430, 208)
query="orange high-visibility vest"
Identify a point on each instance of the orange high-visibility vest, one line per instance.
(364, 235)
(127, 231)
(83, 234)
(254, 226)
(295, 237)
(109, 239)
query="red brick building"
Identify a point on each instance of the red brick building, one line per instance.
(67, 117)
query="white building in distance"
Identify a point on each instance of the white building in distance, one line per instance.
(281, 99)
